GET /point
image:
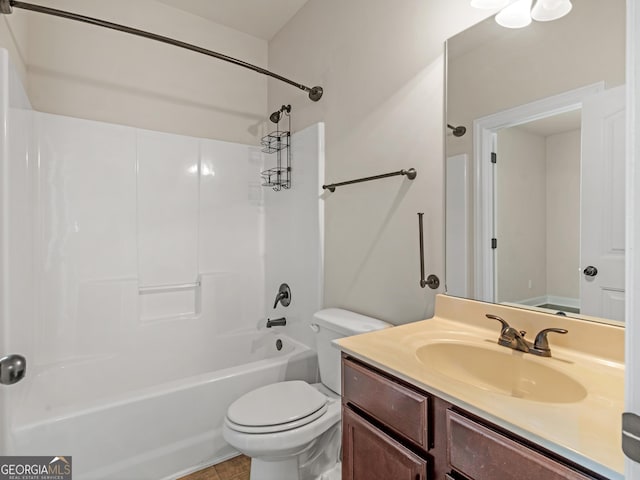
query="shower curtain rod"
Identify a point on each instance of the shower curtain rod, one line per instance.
(6, 7)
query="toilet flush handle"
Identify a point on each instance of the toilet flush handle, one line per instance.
(314, 327)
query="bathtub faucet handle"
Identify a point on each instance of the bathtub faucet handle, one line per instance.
(283, 296)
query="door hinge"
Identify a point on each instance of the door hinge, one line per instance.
(494, 157)
(494, 243)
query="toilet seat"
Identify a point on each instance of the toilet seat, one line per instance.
(276, 408)
(277, 428)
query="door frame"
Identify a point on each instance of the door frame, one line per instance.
(484, 131)
(632, 258)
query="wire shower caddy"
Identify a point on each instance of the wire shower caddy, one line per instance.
(278, 142)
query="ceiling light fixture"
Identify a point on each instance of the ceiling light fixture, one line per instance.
(518, 13)
(547, 10)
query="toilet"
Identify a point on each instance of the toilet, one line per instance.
(291, 430)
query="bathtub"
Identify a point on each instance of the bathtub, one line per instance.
(119, 424)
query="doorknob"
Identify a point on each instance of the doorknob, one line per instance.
(590, 271)
(12, 369)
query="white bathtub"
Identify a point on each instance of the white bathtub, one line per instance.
(119, 424)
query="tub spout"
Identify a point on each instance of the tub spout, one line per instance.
(276, 322)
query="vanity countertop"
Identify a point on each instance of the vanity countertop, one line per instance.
(586, 431)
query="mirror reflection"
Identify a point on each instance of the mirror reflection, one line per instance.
(535, 163)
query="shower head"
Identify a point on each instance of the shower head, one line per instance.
(458, 131)
(277, 115)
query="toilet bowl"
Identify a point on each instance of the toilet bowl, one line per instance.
(291, 430)
(303, 446)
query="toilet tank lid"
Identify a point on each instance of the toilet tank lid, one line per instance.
(347, 322)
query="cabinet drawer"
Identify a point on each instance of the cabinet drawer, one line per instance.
(482, 454)
(370, 454)
(399, 408)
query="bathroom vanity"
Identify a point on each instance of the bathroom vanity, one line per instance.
(393, 430)
(415, 410)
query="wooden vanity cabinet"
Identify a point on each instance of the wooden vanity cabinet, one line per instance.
(385, 427)
(481, 453)
(369, 453)
(393, 431)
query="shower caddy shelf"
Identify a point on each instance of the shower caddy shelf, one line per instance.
(278, 142)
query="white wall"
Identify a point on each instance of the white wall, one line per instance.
(521, 206)
(17, 224)
(89, 72)
(14, 37)
(119, 209)
(294, 235)
(563, 214)
(382, 68)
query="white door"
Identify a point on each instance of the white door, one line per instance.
(602, 217)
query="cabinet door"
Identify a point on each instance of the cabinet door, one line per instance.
(483, 454)
(401, 409)
(370, 454)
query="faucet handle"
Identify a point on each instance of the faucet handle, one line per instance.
(504, 323)
(283, 296)
(541, 344)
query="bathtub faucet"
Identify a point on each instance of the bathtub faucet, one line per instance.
(283, 296)
(276, 322)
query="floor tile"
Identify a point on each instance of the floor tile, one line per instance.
(206, 474)
(233, 468)
(236, 468)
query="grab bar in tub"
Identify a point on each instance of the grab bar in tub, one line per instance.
(168, 288)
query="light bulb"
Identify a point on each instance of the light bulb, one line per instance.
(516, 15)
(489, 4)
(547, 10)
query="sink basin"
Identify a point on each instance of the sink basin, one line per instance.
(506, 372)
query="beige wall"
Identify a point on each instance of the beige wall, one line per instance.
(89, 72)
(538, 215)
(501, 70)
(521, 206)
(381, 64)
(563, 214)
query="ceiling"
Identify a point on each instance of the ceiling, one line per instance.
(259, 18)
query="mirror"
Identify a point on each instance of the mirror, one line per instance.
(535, 179)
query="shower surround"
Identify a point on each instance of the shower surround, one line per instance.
(137, 275)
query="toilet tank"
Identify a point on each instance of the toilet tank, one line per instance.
(333, 323)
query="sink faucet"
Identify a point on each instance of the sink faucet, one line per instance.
(512, 338)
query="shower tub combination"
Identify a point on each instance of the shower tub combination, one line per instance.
(119, 422)
(138, 311)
